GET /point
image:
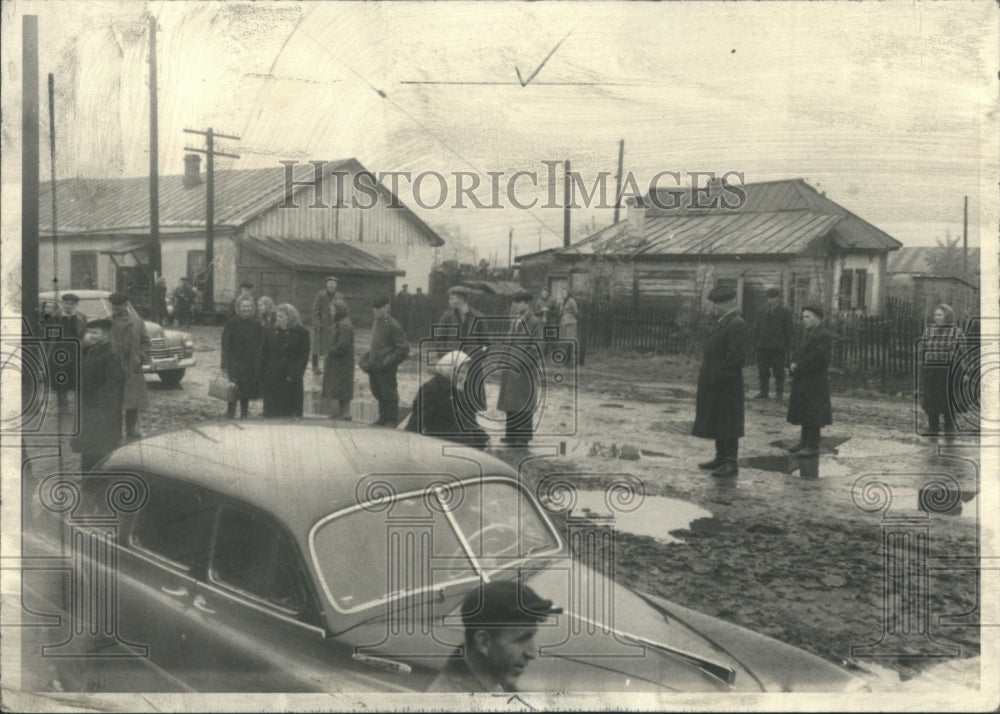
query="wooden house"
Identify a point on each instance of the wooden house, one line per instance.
(913, 279)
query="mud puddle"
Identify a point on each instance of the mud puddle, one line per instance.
(655, 516)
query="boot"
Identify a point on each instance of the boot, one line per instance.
(713, 464)
(727, 469)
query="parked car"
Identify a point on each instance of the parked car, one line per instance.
(290, 557)
(171, 351)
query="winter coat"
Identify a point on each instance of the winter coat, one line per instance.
(773, 329)
(338, 370)
(467, 329)
(522, 377)
(131, 343)
(241, 342)
(941, 348)
(101, 387)
(74, 327)
(284, 355)
(436, 411)
(809, 404)
(719, 404)
(389, 347)
(323, 312)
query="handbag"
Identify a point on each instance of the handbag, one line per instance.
(222, 388)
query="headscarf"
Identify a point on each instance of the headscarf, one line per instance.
(448, 365)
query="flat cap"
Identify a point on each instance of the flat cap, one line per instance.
(460, 290)
(70, 297)
(505, 602)
(380, 301)
(722, 293)
(814, 309)
(333, 278)
(246, 284)
(101, 322)
(118, 298)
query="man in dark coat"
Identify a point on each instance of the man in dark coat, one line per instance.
(241, 341)
(441, 400)
(521, 379)
(73, 324)
(323, 320)
(719, 404)
(284, 355)
(809, 405)
(466, 323)
(772, 338)
(389, 347)
(338, 367)
(131, 343)
(101, 384)
(184, 297)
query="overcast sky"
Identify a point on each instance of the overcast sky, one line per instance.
(889, 108)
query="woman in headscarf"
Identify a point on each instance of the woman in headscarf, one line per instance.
(809, 404)
(241, 340)
(266, 312)
(443, 409)
(284, 355)
(338, 366)
(942, 346)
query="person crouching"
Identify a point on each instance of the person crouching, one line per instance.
(441, 399)
(809, 405)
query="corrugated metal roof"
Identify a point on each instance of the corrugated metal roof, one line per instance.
(779, 232)
(915, 260)
(122, 205)
(317, 255)
(778, 217)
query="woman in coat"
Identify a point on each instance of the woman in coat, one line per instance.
(101, 385)
(338, 366)
(441, 407)
(569, 313)
(284, 355)
(241, 340)
(941, 346)
(809, 405)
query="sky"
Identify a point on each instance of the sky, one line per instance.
(890, 108)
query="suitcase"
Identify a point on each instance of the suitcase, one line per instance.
(222, 388)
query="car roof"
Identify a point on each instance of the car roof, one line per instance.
(299, 471)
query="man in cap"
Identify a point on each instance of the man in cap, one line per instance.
(73, 326)
(101, 381)
(772, 338)
(521, 378)
(719, 404)
(389, 347)
(501, 621)
(131, 343)
(184, 298)
(324, 319)
(467, 323)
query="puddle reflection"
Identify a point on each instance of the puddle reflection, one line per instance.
(656, 517)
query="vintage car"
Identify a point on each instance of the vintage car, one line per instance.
(171, 351)
(294, 557)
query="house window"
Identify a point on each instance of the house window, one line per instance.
(861, 289)
(83, 270)
(853, 290)
(195, 264)
(799, 292)
(846, 290)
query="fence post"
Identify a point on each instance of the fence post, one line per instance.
(885, 351)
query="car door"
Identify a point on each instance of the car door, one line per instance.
(262, 628)
(159, 561)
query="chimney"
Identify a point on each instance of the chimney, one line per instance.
(636, 216)
(192, 170)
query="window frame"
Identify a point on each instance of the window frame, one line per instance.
(194, 570)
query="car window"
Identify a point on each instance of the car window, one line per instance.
(175, 524)
(94, 308)
(251, 556)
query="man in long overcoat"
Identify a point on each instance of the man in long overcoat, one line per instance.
(338, 367)
(521, 380)
(101, 380)
(772, 338)
(131, 343)
(74, 327)
(389, 347)
(468, 325)
(719, 404)
(323, 314)
(809, 405)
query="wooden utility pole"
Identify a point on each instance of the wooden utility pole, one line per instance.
(965, 239)
(208, 299)
(618, 186)
(155, 256)
(52, 164)
(29, 183)
(510, 243)
(567, 186)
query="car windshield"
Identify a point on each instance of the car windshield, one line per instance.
(374, 552)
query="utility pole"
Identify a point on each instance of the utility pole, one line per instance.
(208, 299)
(155, 256)
(965, 240)
(618, 187)
(510, 242)
(29, 183)
(566, 199)
(52, 164)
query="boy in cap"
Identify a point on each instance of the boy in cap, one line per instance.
(719, 404)
(74, 327)
(389, 347)
(501, 620)
(772, 338)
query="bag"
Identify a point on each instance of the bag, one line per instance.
(222, 388)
